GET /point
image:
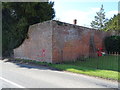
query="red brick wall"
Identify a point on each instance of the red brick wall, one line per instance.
(71, 42)
(39, 45)
(60, 42)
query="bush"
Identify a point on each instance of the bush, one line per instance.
(112, 44)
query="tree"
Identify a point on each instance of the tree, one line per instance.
(7, 30)
(100, 20)
(17, 17)
(113, 24)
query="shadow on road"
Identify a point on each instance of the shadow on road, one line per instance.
(30, 65)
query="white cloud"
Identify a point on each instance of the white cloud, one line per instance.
(95, 9)
(84, 18)
(111, 13)
(69, 16)
(87, 0)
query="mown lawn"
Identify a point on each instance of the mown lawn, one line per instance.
(104, 67)
(107, 74)
(104, 62)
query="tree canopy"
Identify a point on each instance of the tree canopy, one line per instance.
(100, 20)
(113, 24)
(18, 16)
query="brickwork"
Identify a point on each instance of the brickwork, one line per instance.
(54, 41)
(39, 44)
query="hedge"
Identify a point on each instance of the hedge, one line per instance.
(112, 44)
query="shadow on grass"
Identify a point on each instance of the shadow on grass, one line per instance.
(103, 63)
(71, 67)
(107, 74)
(86, 65)
(30, 64)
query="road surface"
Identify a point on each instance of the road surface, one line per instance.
(14, 75)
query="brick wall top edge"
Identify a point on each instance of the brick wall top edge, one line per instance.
(49, 21)
(86, 28)
(37, 24)
(73, 25)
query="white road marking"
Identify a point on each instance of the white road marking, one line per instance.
(15, 84)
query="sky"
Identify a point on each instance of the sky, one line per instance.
(83, 10)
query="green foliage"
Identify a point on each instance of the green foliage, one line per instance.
(7, 30)
(112, 44)
(17, 16)
(104, 24)
(113, 24)
(100, 20)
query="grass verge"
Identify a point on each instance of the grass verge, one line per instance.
(80, 68)
(107, 74)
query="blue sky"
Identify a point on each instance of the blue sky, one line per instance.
(83, 10)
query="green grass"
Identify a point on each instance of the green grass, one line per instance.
(104, 67)
(108, 74)
(104, 62)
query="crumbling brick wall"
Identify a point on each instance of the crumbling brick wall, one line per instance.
(38, 46)
(55, 41)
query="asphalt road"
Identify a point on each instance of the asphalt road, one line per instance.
(14, 75)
